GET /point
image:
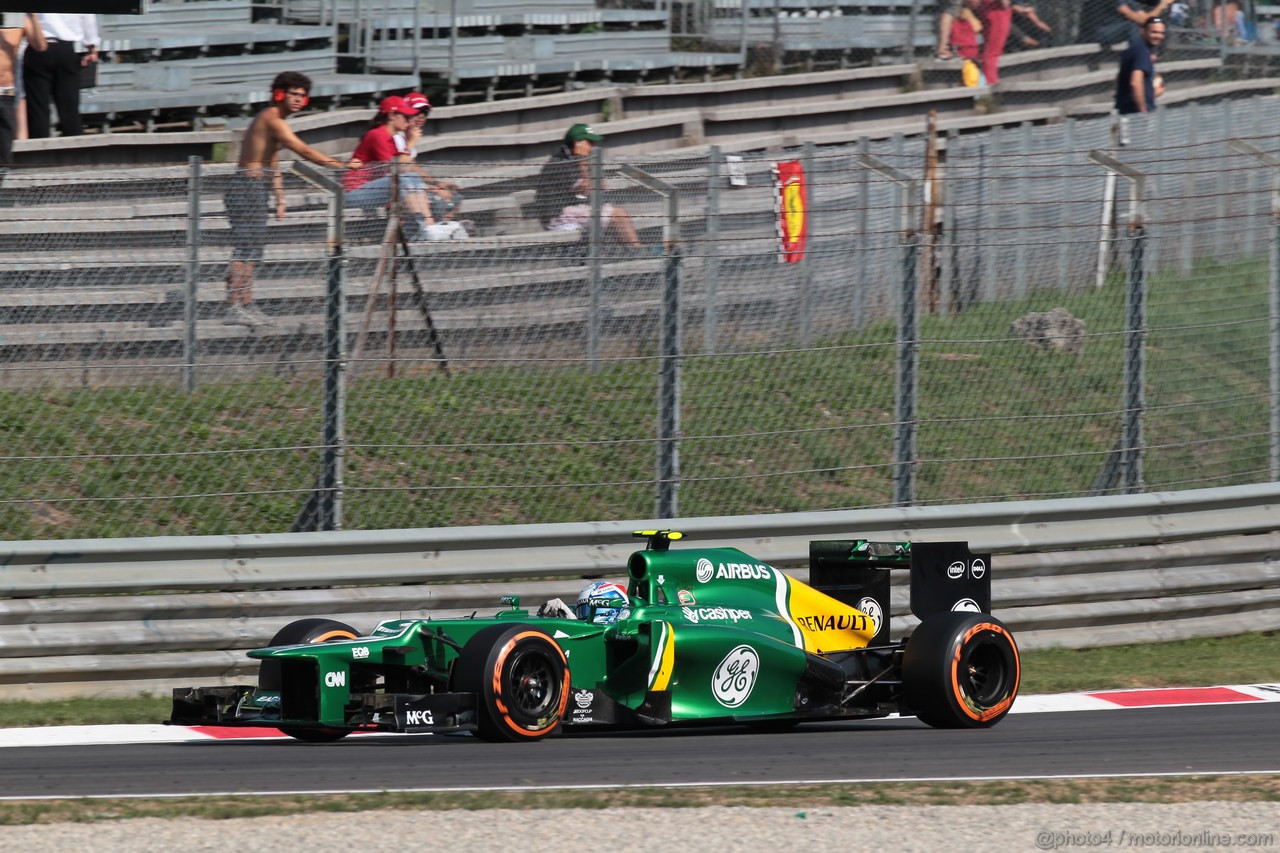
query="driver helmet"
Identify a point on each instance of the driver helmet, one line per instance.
(602, 603)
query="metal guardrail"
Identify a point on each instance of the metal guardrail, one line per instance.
(116, 617)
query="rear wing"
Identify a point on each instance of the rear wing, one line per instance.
(945, 576)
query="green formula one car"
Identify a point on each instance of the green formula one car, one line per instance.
(704, 635)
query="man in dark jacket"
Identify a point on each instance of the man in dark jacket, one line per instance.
(1136, 81)
(563, 200)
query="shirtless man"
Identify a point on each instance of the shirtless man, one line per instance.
(248, 199)
(14, 27)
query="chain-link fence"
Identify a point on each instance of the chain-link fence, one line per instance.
(1065, 336)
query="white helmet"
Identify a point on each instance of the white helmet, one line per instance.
(602, 603)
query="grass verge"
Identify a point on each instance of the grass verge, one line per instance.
(1163, 790)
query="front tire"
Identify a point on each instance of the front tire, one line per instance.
(520, 678)
(961, 670)
(272, 676)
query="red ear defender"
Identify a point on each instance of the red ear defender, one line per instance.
(278, 96)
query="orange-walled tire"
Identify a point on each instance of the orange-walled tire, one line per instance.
(961, 670)
(271, 674)
(520, 677)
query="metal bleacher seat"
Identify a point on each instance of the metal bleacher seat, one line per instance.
(507, 46)
(185, 60)
(825, 25)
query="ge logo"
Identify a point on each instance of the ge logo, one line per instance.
(871, 607)
(705, 570)
(735, 677)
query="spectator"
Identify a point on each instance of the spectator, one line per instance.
(52, 78)
(1137, 80)
(369, 186)
(1027, 15)
(15, 27)
(997, 18)
(248, 199)
(445, 198)
(563, 199)
(1225, 20)
(20, 109)
(1115, 22)
(958, 31)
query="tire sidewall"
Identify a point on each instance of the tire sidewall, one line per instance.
(301, 632)
(486, 667)
(935, 683)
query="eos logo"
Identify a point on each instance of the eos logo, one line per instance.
(335, 679)
(705, 570)
(419, 718)
(966, 605)
(955, 571)
(583, 699)
(735, 677)
(360, 652)
(871, 607)
(979, 568)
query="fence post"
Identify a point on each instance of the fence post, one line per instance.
(323, 510)
(806, 267)
(1025, 206)
(1135, 301)
(594, 261)
(191, 293)
(669, 348)
(711, 249)
(1273, 325)
(905, 386)
(909, 49)
(862, 274)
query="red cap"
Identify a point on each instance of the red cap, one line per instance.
(417, 101)
(396, 104)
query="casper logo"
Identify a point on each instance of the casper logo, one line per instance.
(335, 679)
(724, 614)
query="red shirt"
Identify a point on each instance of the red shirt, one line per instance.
(376, 149)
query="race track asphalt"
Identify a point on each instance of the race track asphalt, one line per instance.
(1180, 740)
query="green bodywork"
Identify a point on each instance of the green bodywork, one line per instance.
(718, 614)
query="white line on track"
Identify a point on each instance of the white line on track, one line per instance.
(1048, 777)
(1096, 700)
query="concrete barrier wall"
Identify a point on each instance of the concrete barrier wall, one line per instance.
(122, 616)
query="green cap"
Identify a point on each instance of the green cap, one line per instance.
(580, 131)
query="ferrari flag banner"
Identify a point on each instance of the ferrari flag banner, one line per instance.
(792, 197)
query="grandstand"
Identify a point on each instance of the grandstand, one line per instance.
(205, 63)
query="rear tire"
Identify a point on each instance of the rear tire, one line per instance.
(520, 678)
(271, 675)
(961, 670)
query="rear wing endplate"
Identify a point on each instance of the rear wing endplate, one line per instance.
(945, 576)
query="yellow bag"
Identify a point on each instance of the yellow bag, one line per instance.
(971, 74)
